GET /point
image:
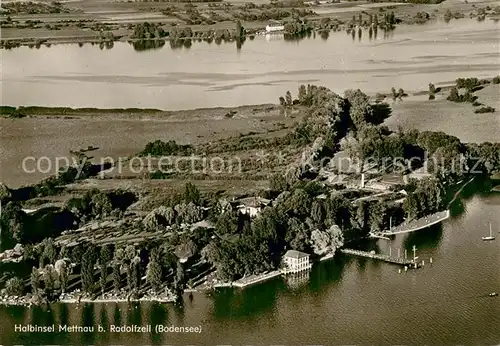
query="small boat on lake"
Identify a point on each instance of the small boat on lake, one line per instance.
(493, 294)
(491, 237)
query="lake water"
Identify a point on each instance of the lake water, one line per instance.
(345, 301)
(209, 75)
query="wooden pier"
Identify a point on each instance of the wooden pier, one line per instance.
(417, 225)
(389, 259)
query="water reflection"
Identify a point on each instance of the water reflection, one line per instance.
(239, 304)
(143, 45)
(117, 315)
(104, 320)
(88, 319)
(328, 272)
(428, 238)
(179, 311)
(157, 315)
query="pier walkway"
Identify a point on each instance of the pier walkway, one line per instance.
(385, 258)
(413, 226)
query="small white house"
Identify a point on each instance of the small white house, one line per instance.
(275, 27)
(296, 261)
(252, 206)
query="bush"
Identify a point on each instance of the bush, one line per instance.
(467, 83)
(486, 109)
(14, 287)
(456, 97)
(159, 148)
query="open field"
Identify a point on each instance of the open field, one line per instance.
(457, 119)
(123, 135)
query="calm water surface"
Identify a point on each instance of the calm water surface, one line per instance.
(345, 301)
(208, 75)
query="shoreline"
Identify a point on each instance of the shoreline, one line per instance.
(207, 33)
(57, 112)
(237, 284)
(7, 111)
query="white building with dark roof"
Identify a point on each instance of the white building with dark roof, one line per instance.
(251, 206)
(296, 261)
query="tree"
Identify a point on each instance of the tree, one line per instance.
(64, 253)
(432, 91)
(317, 213)
(186, 249)
(189, 213)
(278, 183)
(392, 18)
(12, 221)
(297, 235)
(454, 95)
(361, 215)
(360, 110)
(288, 98)
(226, 223)
(393, 92)
(116, 276)
(105, 255)
(179, 277)
(129, 253)
(376, 214)
(298, 202)
(77, 253)
(103, 277)
(49, 251)
(282, 101)
(49, 279)
(14, 287)
(34, 280)
(240, 31)
(328, 241)
(87, 272)
(302, 96)
(192, 194)
(432, 88)
(135, 273)
(101, 204)
(154, 275)
(130, 279)
(63, 276)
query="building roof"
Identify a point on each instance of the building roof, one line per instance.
(296, 254)
(253, 202)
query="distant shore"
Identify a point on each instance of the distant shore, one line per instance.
(79, 27)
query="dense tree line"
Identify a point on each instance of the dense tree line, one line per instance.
(424, 197)
(159, 148)
(146, 31)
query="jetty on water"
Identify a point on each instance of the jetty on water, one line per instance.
(418, 224)
(404, 261)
